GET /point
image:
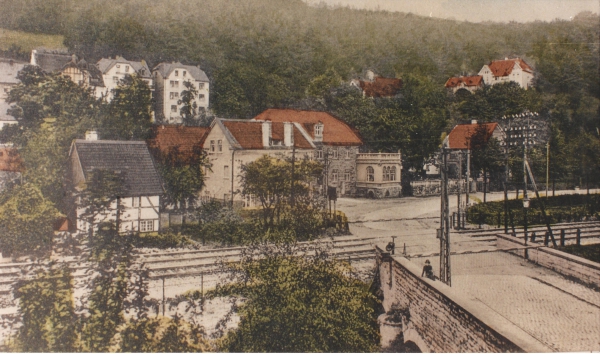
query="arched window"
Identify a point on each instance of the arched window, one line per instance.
(393, 173)
(370, 174)
(386, 173)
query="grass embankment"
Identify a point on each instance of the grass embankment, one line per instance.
(28, 41)
(563, 208)
(589, 252)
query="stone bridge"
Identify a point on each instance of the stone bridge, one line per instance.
(498, 302)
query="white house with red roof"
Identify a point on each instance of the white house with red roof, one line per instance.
(515, 70)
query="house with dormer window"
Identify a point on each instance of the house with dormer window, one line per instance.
(169, 81)
(232, 143)
(507, 70)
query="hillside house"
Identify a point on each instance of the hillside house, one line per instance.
(115, 70)
(507, 70)
(377, 86)
(168, 81)
(232, 143)
(141, 188)
(469, 83)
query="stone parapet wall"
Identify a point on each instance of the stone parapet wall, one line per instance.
(442, 319)
(585, 271)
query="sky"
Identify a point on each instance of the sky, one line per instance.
(478, 10)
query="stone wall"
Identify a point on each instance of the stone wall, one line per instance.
(442, 319)
(585, 271)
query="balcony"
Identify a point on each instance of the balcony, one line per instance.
(379, 158)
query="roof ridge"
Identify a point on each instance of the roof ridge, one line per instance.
(131, 142)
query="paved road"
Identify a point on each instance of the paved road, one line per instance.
(556, 311)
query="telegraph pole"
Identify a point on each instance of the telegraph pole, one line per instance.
(459, 187)
(444, 230)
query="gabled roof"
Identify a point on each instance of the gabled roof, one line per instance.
(10, 161)
(185, 141)
(381, 87)
(50, 62)
(460, 137)
(247, 134)
(335, 131)
(165, 69)
(506, 66)
(9, 69)
(476, 80)
(105, 64)
(129, 158)
(94, 74)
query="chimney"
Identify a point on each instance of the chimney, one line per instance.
(91, 135)
(266, 133)
(474, 121)
(288, 134)
(34, 57)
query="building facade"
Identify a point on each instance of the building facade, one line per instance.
(140, 192)
(378, 175)
(115, 70)
(232, 143)
(469, 83)
(507, 70)
(336, 145)
(9, 69)
(169, 81)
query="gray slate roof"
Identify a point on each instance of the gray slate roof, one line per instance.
(51, 62)
(9, 69)
(165, 70)
(4, 117)
(131, 158)
(105, 64)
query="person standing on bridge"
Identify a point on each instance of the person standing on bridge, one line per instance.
(428, 270)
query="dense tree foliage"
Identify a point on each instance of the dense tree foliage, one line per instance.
(26, 220)
(271, 182)
(299, 300)
(47, 309)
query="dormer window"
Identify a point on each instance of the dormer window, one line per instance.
(319, 130)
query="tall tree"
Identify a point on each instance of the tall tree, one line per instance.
(129, 114)
(189, 107)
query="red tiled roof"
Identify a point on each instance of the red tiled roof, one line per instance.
(505, 67)
(62, 224)
(187, 141)
(249, 134)
(460, 137)
(335, 131)
(475, 80)
(381, 87)
(10, 161)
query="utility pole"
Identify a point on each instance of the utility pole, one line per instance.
(444, 230)
(525, 199)
(292, 201)
(547, 166)
(468, 176)
(506, 150)
(459, 187)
